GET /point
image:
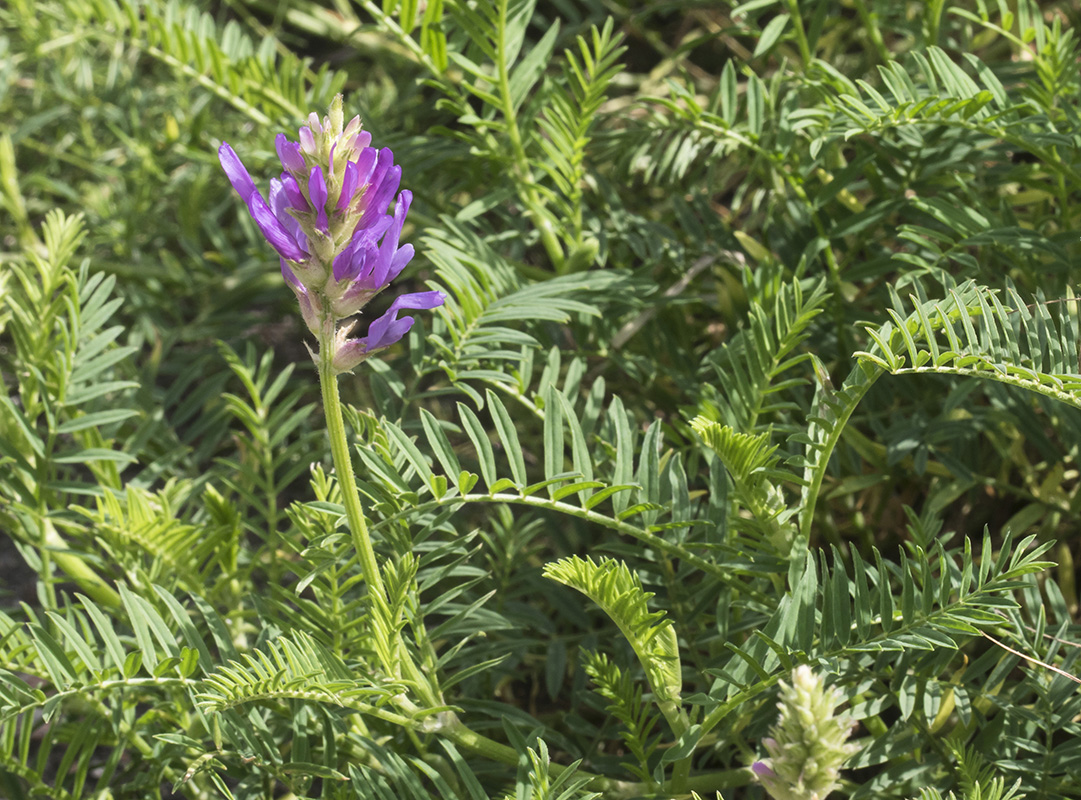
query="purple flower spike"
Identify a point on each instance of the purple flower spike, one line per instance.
(327, 216)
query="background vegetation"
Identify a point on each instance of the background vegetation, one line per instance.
(761, 334)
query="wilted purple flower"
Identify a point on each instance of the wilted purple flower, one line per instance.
(326, 216)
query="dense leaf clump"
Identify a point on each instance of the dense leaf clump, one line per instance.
(756, 382)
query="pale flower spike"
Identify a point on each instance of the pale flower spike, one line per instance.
(809, 742)
(326, 216)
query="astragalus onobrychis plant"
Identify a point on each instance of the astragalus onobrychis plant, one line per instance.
(730, 449)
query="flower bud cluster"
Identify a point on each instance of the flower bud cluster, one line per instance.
(326, 216)
(809, 743)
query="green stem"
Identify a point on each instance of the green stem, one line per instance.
(726, 575)
(343, 466)
(858, 383)
(681, 773)
(453, 729)
(354, 513)
(529, 195)
(869, 19)
(801, 33)
(44, 551)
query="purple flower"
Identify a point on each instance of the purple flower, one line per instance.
(365, 268)
(386, 330)
(326, 216)
(289, 153)
(272, 226)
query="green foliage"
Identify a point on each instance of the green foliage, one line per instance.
(616, 590)
(761, 336)
(288, 670)
(754, 360)
(565, 121)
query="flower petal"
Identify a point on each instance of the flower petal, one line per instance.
(317, 193)
(762, 769)
(366, 161)
(290, 276)
(350, 183)
(307, 141)
(281, 199)
(236, 172)
(397, 258)
(289, 154)
(292, 191)
(352, 127)
(350, 264)
(421, 301)
(389, 333)
(276, 234)
(388, 329)
(402, 257)
(362, 140)
(381, 188)
(388, 249)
